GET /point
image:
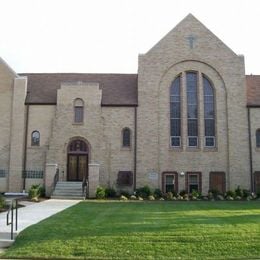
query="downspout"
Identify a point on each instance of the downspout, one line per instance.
(250, 149)
(25, 146)
(135, 146)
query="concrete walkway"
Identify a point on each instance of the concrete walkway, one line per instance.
(33, 213)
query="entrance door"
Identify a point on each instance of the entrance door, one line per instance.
(77, 169)
(217, 182)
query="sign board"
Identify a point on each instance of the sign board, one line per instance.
(153, 176)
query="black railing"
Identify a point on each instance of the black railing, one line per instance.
(12, 207)
(56, 178)
(85, 188)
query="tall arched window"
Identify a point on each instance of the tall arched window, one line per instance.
(209, 113)
(175, 112)
(192, 108)
(35, 138)
(78, 110)
(257, 134)
(126, 137)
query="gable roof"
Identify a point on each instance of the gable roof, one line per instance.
(117, 89)
(253, 90)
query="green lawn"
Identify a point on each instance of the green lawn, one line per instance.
(145, 230)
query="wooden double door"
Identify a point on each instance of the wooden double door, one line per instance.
(77, 167)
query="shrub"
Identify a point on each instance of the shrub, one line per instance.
(213, 193)
(246, 193)
(195, 194)
(110, 193)
(124, 193)
(169, 196)
(230, 193)
(36, 191)
(151, 197)
(182, 193)
(100, 193)
(238, 192)
(157, 193)
(2, 202)
(143, 192)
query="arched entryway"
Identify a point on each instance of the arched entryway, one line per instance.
(77, 168)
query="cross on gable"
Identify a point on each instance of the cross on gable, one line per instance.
(191, 39)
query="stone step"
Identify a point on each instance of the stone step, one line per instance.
(5, 239)
(7, 235)
(69, 182)
(67, 197)
(55, 193)
(68, 188)
(4, 243)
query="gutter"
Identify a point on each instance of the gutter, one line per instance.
(25, 145)
(135, 146)
(250, 150)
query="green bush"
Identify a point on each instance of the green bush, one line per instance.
(195, 194)
(246, 193)
(182, 193)
(110, 193)
(144, 192)
(230, 193)
(213, 193)
(124, 193)
(157, 193)
(100, 193)
(238, 192)
(169, 196)
(2, 202)
(36, 191)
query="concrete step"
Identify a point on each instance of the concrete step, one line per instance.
(67, 197)
(4, 243)
(56, 193)
(5, 239)
(68, 190)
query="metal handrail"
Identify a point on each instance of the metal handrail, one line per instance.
(56, 178)
(85, 187)
(11, 208)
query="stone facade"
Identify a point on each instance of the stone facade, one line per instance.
(190, 46)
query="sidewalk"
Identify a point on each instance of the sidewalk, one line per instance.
(33, 213)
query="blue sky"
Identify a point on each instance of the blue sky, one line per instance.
(108, 35)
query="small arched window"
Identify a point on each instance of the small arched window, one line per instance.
(35, 138)
(126, 137)
(257, 135)
(78, 110)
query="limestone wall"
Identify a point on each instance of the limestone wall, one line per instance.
(255, 124)
(157, 69)
(6, 91)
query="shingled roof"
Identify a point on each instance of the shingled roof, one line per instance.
(253, 90)
(117, 89)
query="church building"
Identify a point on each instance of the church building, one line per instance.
(188, 120)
